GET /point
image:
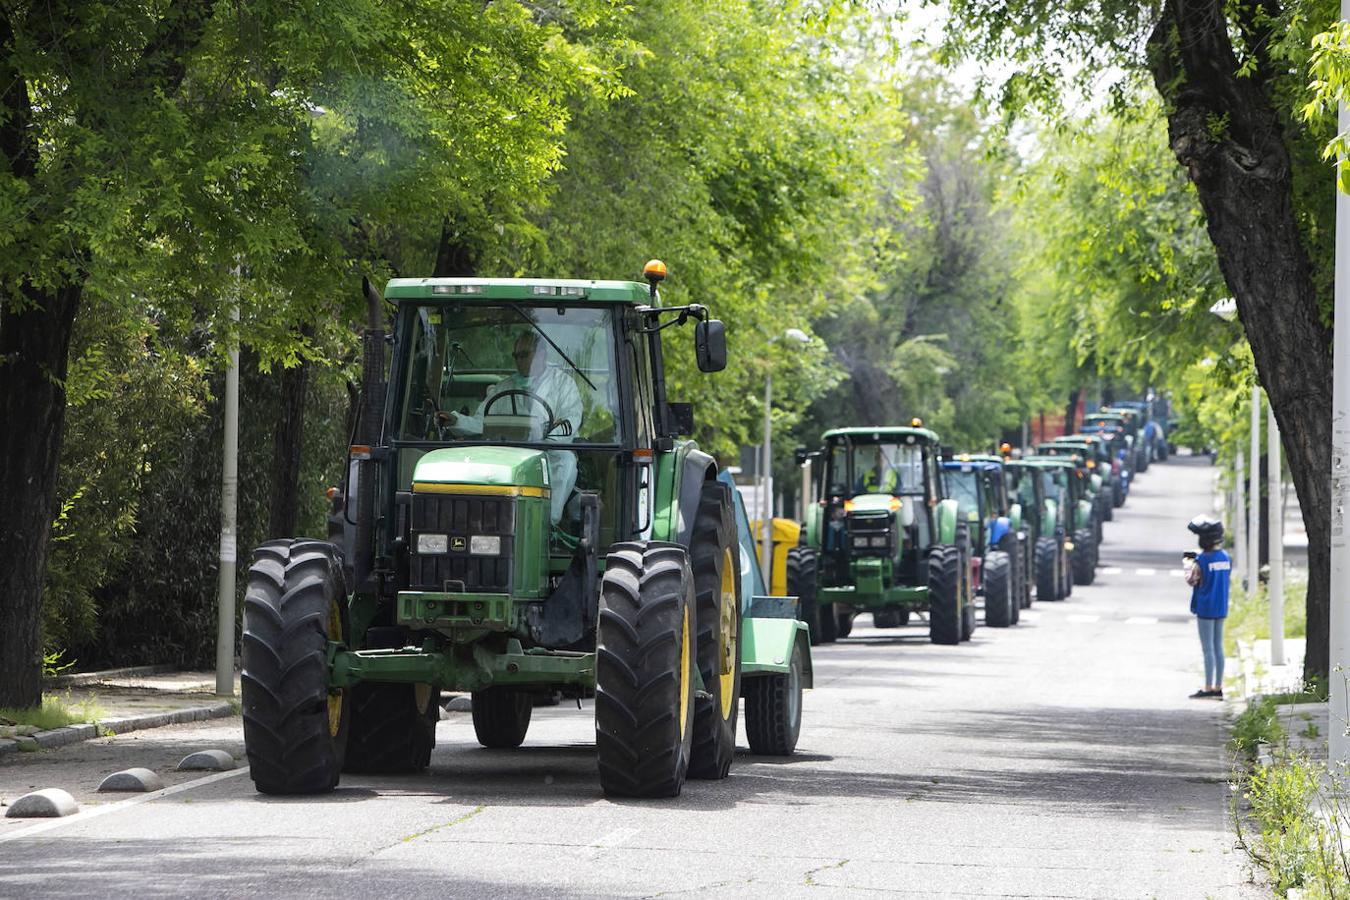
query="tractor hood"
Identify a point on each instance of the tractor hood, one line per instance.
(872, 503)
(480, 465)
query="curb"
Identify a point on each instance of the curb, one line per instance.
(95, 677)
(60, 737)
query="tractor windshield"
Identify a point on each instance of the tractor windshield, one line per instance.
(963, 486)
(880, 468)
(510, 373)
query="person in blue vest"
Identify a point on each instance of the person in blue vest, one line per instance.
(1208, 574)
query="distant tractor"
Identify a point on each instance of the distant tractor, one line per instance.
(521, 518)
(1079, 514)
(1002, 551)
(885, 538)
(1041, 488)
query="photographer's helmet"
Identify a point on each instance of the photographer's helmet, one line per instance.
(1207, 528)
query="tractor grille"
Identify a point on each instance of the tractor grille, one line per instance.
(871, 534)
(461, 519)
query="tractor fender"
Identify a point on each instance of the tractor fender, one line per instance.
(1083, 515)
(946, 516)
(1015, 517)
(811, 527)
(680, 476)
(1050, 521)
(767, 645)
(997, 529)
(1096, 483)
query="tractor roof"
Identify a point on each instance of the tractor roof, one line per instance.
(878, 433)
(1059, 461)
(539, 290)
(972, 464)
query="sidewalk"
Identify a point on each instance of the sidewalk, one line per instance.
(126, 700)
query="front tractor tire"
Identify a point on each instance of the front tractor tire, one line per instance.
(501, 717)
(773, 710)
(944, 595)
(998, 589)
(644, 695)
(715, 555)
(295, 726)
(802, 566)
(393, 728)
(1047, 569)
(1084, 557)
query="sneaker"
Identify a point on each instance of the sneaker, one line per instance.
(1204, 694)
(1216, 695)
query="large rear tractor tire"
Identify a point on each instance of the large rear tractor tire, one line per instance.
(715, 555)
(944, 595)
(773, 710)
(998, 595)
(644, 695)
(501, 717)
(802, 565)
(1084, 562)
(1047, 569)
(295, 726)
(393, 728)
(1011, 544)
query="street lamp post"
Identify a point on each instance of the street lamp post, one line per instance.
(1254, 498)
(1339, 747)
(799, 338)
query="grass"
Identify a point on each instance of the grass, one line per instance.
(55, 712)
(1249, 616)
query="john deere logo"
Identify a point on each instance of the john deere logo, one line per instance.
(458, 543)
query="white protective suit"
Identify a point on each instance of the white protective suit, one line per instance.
(559, 391)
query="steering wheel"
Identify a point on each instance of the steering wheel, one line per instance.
(522, 392)
(431, 425)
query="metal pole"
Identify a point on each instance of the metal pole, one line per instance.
(766, 504)
(1254, 498)
(229, 490)
(1339, 748)
(806, 492)
(1239, 513)
(1275, 532)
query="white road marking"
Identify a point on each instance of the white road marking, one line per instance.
(1141, 620)
(119, 805)
(608, 842)
(1146, 571)
(1083, 617)
(1112, 570)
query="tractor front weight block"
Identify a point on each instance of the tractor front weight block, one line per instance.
(458, 612)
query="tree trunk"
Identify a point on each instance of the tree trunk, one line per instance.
(1071, 411)
(34, 346)
(1225, 131)
(455, 256)
(286, 444)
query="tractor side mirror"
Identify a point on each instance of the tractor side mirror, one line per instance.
(800, 455)
(682, 417)
(710, 345)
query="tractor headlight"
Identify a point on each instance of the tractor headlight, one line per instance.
(879, 541)
(432, 543)
(485, 545)
(861, 540)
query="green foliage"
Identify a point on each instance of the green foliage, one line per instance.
(1249, 616)
(55, 712)
(1258, 724)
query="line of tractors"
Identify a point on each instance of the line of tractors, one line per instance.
(523, 518)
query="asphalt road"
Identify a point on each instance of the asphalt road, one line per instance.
(1060, 758)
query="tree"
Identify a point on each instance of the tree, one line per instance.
(1230, 75)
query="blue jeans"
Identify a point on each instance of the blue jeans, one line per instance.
(1211, 642)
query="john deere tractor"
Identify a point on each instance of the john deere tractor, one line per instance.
(977, 483)
(521, 517)
(886, 539)
(1041, 488)
(1071, 474)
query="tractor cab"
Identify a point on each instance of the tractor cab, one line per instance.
(977, 486)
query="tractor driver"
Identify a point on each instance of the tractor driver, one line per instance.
(554, 387)
(881, 478)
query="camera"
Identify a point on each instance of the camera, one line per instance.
(1188, 554)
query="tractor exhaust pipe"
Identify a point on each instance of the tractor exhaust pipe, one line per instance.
(368, 434)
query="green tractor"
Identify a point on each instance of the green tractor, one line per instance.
(1094, 488)
(978, 483)
(884, 538)
(1040, 488)
(1096, 448)
(520, 519)
(1080, 513)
